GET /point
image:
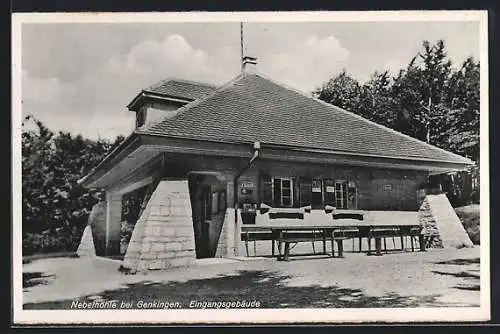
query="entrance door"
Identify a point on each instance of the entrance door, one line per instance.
(205, 217)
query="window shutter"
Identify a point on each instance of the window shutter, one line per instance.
(305, 192)
(295, 185)
(276, 193)
(267, 190)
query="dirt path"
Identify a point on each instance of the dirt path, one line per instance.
(435, 278)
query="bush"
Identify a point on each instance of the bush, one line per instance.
(469, 216)
(55, 208)
(62, 240)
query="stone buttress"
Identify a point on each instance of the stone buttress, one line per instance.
(440, 222)
(163, 236)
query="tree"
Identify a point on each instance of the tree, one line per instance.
(377, 103)
(463, 100)
(342, 91)
(54, 204)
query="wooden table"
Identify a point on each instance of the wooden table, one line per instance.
(327, 232)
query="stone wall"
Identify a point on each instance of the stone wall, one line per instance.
(214, 232)
(163, 236)
(229, 244)
(429, 224)
(225, 245)
(442, 223)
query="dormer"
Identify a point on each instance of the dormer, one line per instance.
(164, 99)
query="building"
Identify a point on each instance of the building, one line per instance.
(202, 149)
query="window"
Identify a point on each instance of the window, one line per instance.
(140, 118)
(282, 192)
(341, 195)
(352, 195)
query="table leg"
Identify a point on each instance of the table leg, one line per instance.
(340, 246)
(324, 242)
(369, 245)
(421, 242)
(378, 246)
(287, 251)
(402, 242)
(279, 241)
(272, 248)
(412, 246)
(360, 243)
(333, 246)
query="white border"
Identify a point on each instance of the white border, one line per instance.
(459, 314)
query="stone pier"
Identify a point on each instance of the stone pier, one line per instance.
(163, 236)
(440, 221)
(86, 247)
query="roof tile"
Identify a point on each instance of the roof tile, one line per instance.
(254, 108)
(181, 89)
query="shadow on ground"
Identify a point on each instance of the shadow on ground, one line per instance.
(31, 279)
(268, 288)
(472, 280)
(460, 262)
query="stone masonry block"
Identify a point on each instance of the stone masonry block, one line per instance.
(157, 247)
(173, 246)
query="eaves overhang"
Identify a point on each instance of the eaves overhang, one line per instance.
(138, 147)
(148, 95)
(130, 144)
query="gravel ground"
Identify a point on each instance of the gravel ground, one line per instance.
(436, 278)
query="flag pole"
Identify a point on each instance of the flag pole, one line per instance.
(241, 45)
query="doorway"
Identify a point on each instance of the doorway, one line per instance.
(205, 219)
(208, 203)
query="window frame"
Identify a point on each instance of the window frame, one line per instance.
(140, 117)
(281, 205)
(344, 185)
(355, 193)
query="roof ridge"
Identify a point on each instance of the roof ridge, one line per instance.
(182, 110)
(170, 79)
(350, 113)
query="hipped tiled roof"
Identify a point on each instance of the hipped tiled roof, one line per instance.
(182, 89)
(254, 108)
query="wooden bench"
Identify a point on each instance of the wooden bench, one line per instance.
(255, 236)
(379, 234)
(414, 232)
(294, 237)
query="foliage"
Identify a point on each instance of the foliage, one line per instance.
(131, 210)
(431, 100)
(55, 207)
(470, 218)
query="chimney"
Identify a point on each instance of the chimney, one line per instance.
(249, 64)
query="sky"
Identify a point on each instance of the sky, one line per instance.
(79, 77)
